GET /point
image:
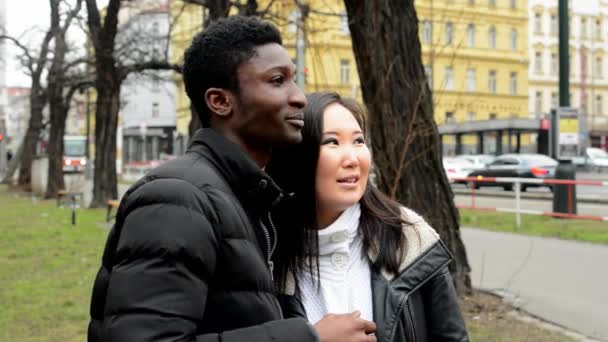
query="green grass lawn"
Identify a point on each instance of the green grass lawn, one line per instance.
(581, 230)
(48, 267)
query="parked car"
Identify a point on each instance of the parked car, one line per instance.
(479, 161)
(457, 168)
(594, 159)
(517, 165)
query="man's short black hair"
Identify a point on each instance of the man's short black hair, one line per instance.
(216, 53)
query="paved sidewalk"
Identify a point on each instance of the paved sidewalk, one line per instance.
(565, 282)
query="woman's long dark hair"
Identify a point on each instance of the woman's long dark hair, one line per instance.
(294, 169)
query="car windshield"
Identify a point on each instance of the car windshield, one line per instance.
(539, 160)
(597, 153)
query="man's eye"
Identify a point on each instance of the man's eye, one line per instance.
(278, 80)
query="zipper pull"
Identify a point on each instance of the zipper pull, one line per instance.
(271, 267)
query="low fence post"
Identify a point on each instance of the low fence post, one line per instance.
(518, 204)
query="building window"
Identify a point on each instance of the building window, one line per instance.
(155, 29)
(571, 62)
(538, 23)
(449, 33)
(492, 116)
(538, 102)
(471, 35)
(583, 27)
(344, 29)
(155, 84)
(513, 39)
(554, 100)
(492, 2)
(598, 29)
(513, 83)
(472, 116)
(155, 110)
(471, 79)
(427, 31)
(449, 78)
(471, 2)
(554, 64)
(597, 67)
(428, 71)
(538, 62)
(599, 105)
(492, 81)
(344, 71)
(513, 4)
(553, 27)
(492, 37)
(449, 117)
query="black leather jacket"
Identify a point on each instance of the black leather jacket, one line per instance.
(419, 304)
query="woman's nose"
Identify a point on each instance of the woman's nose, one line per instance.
(350, 157)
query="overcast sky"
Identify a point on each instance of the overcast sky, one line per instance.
(33, 17)
(24, 15)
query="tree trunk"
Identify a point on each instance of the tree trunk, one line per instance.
(106, 125)
(59, 103)
(55, 149)
(32, 136)
(404, 136)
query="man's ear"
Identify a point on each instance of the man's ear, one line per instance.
(220, 101)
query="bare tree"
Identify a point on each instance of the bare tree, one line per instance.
(404, 135)
(35, 64)
(59, 97)
(110, 73)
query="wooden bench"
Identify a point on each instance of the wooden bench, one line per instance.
(113, 203)
(73, 195)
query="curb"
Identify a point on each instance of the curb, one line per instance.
(526, 316)
(524, 195)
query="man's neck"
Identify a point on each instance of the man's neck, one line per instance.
(259, 155)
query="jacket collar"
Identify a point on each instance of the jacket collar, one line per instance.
(253, 187)
(389, 295)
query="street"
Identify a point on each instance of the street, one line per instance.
(562, 281)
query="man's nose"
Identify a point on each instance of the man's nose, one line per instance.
(297, 97)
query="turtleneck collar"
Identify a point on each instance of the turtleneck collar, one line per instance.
(339, 235)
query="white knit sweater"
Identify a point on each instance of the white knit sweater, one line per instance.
(345, 281)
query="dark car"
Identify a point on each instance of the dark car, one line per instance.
(518, 165)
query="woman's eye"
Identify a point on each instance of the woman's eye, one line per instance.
(330, 141)
(360, 140)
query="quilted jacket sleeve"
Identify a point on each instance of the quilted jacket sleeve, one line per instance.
(164, 259)
(445, 321)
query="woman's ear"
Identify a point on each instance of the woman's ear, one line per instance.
(219, 101)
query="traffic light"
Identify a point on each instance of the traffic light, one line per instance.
(1, 137)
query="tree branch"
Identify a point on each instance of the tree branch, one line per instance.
(150, 65)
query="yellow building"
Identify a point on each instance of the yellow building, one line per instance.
(476, 57)
(475, 54)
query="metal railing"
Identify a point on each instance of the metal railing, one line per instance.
(517, 183)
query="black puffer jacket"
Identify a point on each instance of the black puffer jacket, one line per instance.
(186, 262)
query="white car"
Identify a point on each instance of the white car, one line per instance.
(457, 168)
(594, 159)
(479, 161)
